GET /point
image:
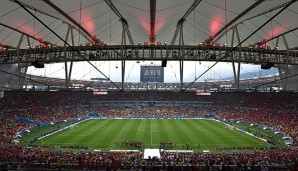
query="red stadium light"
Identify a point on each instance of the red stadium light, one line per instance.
(146, 43)
(264, 41)
(93, 38)
(36, 46)
(217, 44)
(87, 44)
(99, 43)
(152, 43)
(40, 40)
(46, 45)
(206, 44)
(158, 43)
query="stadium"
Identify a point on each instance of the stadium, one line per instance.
(148, 85)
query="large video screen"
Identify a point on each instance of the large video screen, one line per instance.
(152, 74)
(203, 92)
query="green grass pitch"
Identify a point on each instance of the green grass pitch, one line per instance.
(104, 134)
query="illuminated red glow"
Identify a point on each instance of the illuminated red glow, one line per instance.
(29, 30)
(215, 24)
(87, 22)
(275, 31)
(40, 40)
(147, 27)
(4, 46)
(159, 25)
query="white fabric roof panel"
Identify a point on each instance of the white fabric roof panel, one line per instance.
(98, 19)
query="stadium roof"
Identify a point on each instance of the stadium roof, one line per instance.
(26, 23)
(104, 20)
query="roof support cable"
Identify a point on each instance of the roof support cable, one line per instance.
(70, 46)
(244, 40)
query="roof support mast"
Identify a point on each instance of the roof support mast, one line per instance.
(77, 51)
(122, 19)
(70, 19)
(152, 20)
(260, 14)
(181, 21)
(123, 54)
(264, 41)
(19, 64)
(32, 37)
(239, 45)
(152, 24)
(66, 57)
(179, 28)
(123, 40)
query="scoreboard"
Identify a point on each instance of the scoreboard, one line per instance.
(100, 91)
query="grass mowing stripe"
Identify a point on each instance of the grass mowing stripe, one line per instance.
(209, 137)
(147, 133)
(113, 129)
(192, 133)
(151, 131)
(61, 136)
(171, 131)
(131, 131)
(206, 138)
(93, 134)
(199, 136)
(81, 134)
(245, 139)
(183, 138)
(120, 132)
(218, 134)
(91, 139)
(155, 134)
(104, 134)
(140, 132)
(164, 135)
(257, 143)
(173, 136)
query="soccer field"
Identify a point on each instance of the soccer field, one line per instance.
(110, 133)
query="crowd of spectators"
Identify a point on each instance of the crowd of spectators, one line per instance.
(24, 157)
(277, 110)
(186, 111)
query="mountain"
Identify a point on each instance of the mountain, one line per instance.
(260, 73)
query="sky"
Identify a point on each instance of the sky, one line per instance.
(192, 70)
